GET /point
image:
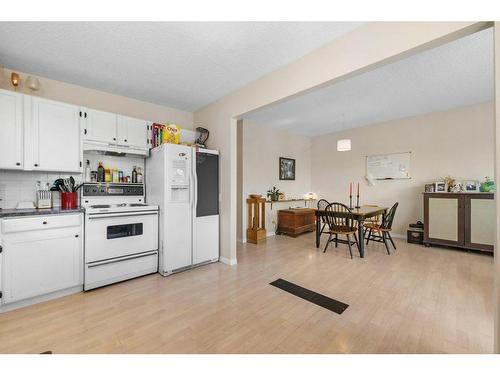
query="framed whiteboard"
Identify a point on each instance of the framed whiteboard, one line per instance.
(389, 166)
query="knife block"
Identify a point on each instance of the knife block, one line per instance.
(44, 199)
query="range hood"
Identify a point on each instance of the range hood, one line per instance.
(114, 149)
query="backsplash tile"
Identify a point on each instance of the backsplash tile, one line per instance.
(19, 186)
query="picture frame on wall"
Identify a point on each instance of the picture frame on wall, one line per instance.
(287, 169)
(471, 186)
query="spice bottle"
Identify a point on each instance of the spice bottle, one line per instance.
(100, 172)
(134, 175)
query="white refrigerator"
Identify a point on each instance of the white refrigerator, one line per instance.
(184, 182)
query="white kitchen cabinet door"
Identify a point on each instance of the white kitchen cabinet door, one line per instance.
(1, 273)
(55, 130)
(100, 126)
(11, 130)
(132, 132)
(40, 262)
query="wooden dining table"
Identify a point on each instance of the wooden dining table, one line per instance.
(360, 215)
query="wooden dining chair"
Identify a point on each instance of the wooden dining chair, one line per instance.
(371, 220)
(322, 203)
(384, 229)
(340, 221)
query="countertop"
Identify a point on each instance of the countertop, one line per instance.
(38, 211)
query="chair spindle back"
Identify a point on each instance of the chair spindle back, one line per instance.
(389, 217)
(338, 215)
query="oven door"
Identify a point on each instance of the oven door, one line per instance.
(114, 235)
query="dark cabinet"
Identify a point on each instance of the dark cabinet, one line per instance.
(465, 220)
(295, 221)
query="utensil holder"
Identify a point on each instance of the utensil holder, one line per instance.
(69, 200)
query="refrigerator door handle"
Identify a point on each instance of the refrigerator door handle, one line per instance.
(195, 185)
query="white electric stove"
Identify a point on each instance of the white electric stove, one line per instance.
(121, 233)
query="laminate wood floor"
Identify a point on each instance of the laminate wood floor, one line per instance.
(418, 300)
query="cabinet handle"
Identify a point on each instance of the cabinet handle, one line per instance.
(76, 235)
(85, 114)
(36, 165)
(44, 222)
(114, 139)
(18, 163)
(125, 140)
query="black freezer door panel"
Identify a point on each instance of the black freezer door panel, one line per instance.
(207, 175)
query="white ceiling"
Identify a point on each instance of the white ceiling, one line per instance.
(182, 65)
(452, 75)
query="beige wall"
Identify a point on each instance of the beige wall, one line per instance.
(365, 48)
(101, 100)
(457, 142)
(262, 147)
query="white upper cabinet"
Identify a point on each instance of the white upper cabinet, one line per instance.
(47, 135)
(11, 130)
(99, 126)
(132, 132)
(55, 131)
(120, 133)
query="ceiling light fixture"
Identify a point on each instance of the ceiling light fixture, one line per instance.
(15, 79)
(344, 145)
(33, 83)
(1, 75)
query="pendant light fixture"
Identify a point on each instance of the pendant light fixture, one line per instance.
(343, 144)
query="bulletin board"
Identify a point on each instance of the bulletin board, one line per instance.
(389, 166)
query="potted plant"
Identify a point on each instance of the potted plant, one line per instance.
(273, 194)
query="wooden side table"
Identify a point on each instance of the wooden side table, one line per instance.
(256, 225)
(295, 221)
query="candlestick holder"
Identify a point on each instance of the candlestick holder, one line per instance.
(350, 202)
(357, 202)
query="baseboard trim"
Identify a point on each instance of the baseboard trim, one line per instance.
(38, 299)
(229, 262)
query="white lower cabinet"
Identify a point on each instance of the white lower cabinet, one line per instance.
(37, 262)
